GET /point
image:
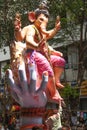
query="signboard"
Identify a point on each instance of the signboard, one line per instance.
(83, 91)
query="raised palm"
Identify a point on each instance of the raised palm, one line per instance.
(27, 94)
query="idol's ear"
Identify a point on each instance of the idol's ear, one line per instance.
(31, 16)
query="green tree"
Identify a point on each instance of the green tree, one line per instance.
(8, 9)
(71, 96)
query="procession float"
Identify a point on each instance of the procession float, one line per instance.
(35, 68)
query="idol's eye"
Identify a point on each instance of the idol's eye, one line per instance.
(41, 19)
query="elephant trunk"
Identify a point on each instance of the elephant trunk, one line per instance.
(44, 31)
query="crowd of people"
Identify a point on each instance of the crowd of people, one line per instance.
(10, 122)
(54, 122)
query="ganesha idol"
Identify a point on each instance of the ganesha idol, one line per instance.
(35, 69)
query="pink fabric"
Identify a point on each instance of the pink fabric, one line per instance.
(57, 61)
(44, 65)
